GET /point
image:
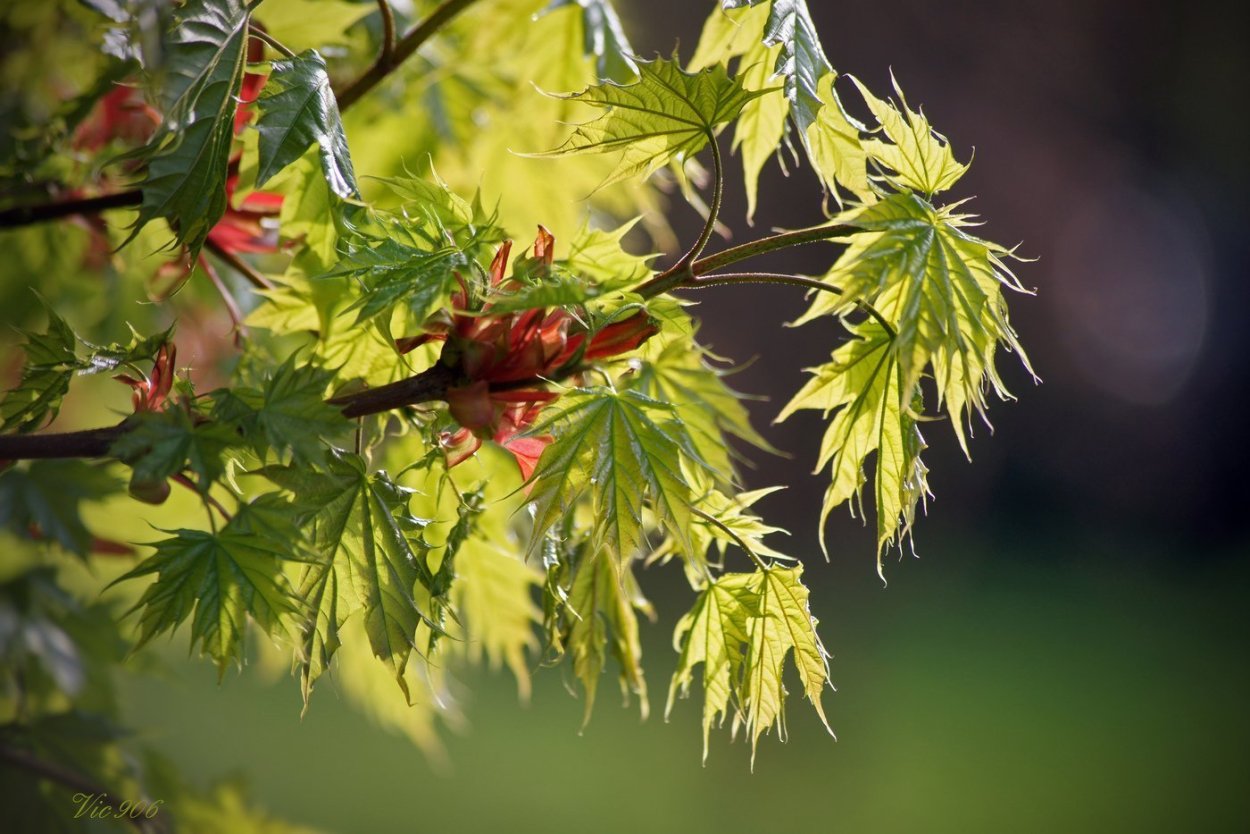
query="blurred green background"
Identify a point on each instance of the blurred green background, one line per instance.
(1068, 655)
(985, 690)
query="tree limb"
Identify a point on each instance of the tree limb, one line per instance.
(11, 218)
(404, 49)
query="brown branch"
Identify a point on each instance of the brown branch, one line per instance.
(428, 386)
(387, 55)
(42, 212)
(239, 265)
(404, 49)
(91, 443)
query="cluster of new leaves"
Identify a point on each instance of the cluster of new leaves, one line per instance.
(430, 449)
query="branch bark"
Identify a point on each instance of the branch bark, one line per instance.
(428, 386)
(407, 46)
(11, 218)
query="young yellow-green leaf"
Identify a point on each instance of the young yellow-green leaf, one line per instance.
(601, 605)
(834, 146)
(875, 413)
(204, 53)
(678, 370)
(762, 125)
(604, 38)
(940, 289)
(222, 578)
(368, 559)
(298, 110)
(919, 156)
(599, 255)
(312, 23)
(735, 524)
(784, 627)
(742, 628)
(778, 39)
(714, 633)
(666, 117)
(729, 32)
(622, 449)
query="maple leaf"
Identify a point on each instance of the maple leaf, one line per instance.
(940, 290)
(875, 414)
(603, 37)
(52, 361)
(288, 413)
(205, 52)
(223, 578)
(368, 551)
(742, 629)
(920, 158)
(623, 450)
(298, 110)
(601, 603)
(667, 116)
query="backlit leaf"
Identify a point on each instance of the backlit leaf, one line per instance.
(875, 414)
(919, 156)
(220, 579)
(742, 628)
(622, 450)
(604, 38)
(667, 116)
(939, 288)
(368, 559)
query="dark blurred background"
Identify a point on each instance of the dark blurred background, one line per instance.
(1063, 656)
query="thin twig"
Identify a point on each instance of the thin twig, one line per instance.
(232, 306)
(725, 279)
(241, 266)
(43, 212)
(387, 55)
(404, 49)
(682, 272)
(209, 500)
(765, 245)
(737, 539)
(261, 34)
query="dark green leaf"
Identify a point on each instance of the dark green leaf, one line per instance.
(289, 414)
(223, 578)
(45, 496)
(159, 445)
(50, 364)
(298, 110)
(204, 53)
(369, 559)
(391, 273)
